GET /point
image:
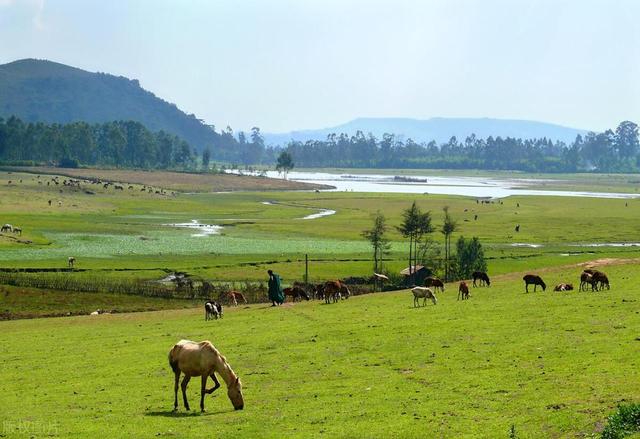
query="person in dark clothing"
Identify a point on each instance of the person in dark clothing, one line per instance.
(276, 295)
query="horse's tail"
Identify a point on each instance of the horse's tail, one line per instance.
(173, 362)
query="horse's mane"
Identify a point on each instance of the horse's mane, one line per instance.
(223, 360)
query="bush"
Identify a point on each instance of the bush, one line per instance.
(625, 421)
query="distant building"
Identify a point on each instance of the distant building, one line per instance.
(415, 274)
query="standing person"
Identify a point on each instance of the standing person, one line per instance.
(276, 296)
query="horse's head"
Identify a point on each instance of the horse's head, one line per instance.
(234, 392)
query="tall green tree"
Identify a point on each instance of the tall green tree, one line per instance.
(415, 225)
(469, 257)
(206, 157)
(284, 163)
(379, 242)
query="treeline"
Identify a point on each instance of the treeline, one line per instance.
(610, 151)
(125, 144)
(119, 144)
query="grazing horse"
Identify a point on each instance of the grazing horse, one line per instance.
(332, 291)
(588, 279)
(535, 280)
(212, 310)
(463, 291)
(482, 276)
(296, 292)
(424, 293)
(71, 260)
(434, 282)
(203, 359)
(233, 297)
(6, 228)
(563, 287)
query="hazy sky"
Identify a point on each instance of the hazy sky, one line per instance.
(295, 64)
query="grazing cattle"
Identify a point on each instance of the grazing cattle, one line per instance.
(482, 276)
(318, 291)
(463, 291)
(345, 293)
(563, 287)
(424, 293)
(49, 202)
(17, 230)
(203, 360)
(6, 228)
(535, 280)
(602, 280)
(212, 310)
(295, 293)
(518, 228)
(587, 278)
(434, 282)
(118, 187)
(233, 297)
(332, 291)
(71, 260)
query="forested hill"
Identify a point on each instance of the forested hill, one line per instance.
(438, 129)
(45, 91)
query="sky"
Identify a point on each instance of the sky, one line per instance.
(285, 65)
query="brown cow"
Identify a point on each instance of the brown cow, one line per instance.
(463, 290)
(295, 292)
(434, 282)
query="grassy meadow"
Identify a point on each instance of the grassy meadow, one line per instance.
(549, 364)
(540, 364)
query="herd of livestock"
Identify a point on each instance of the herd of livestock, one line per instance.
(335, 290)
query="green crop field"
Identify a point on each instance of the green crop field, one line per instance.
(548, 364)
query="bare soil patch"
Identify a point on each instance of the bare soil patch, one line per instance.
(179, 181)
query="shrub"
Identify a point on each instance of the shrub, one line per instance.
(625, 421)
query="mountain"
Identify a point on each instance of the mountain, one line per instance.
(439, 129)
(44, 91)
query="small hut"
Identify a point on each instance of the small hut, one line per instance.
(415, 274)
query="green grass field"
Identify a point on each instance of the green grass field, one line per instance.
(545, 364)
(550, 364)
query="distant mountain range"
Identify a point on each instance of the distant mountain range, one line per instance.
(45, 91)
(439, 129)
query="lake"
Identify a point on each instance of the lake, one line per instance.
(480, 187)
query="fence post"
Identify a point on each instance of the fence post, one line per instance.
(306, 268)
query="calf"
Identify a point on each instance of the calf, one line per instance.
(563, 287)
(463, 291)
(212, 310)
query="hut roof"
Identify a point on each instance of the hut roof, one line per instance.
(411, 269)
